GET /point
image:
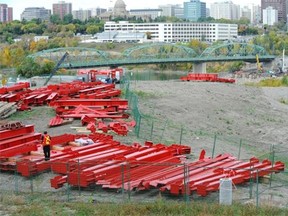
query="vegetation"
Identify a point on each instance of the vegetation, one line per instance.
(271, 82)
(284, 101)
(40, 206)
(62, 33)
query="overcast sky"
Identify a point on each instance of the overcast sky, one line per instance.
(20, 5)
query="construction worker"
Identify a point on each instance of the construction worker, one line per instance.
(46, 140)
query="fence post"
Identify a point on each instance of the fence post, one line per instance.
(16, 181)
(152, 128)
(257, 189)
(181, 134)
(186, 183)
(122, 179)
(163, 130)
(79, 188)
(138, 128)
(240, 146)
(30, 177)
(250, 184)
(128, 178)
(214, 144)
(273, 160)
(67, 188)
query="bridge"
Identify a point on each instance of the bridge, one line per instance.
(155, 53)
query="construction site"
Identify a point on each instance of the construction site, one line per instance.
(181, 139)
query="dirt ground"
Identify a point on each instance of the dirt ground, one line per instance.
(254, 114)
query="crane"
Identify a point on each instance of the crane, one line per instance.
(56, 68)
(259, 66)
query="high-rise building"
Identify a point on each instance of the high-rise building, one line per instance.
(97, 11)
(225, 10)
(6, 13)
(36, 13)
(256, 14)
(279, 5)
(62, 8)
(179, 12)
(246, 12)
(194, 10)
(270, 16)
(171, 10)
(81, 14)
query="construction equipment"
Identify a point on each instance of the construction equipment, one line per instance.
(259, 66)
(105, 76)
(56, 68)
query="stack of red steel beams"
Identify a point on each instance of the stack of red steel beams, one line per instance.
(107, 157)
(158, 166)
(71, 100)
(25, 96)
(206, 77)
(111, 164)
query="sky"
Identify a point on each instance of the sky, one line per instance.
(20, 5)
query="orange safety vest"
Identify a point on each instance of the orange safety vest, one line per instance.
(46, 140)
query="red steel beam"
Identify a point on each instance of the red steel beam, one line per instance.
(19, 149)
(90, 102)
(101, 87)
(19, 140)
(8, 134)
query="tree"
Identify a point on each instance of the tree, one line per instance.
(55, 19)
(92, 29)
(30, 67)
(7, 57)
(68, 18)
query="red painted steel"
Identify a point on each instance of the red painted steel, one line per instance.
(15, 87)
(19, 149)
(91, 102)
(97, 88)
(119, 128)
(29, 99)
(56, 121)
(205, 77)
(40, 99)
(19, 140)
(8, 134)
(53, 96)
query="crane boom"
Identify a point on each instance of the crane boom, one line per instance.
(56, 68)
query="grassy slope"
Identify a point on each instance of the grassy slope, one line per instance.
(19, 205)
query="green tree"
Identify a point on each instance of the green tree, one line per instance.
(55, 19)
(92, 29)
(68, 18)
(30, 67)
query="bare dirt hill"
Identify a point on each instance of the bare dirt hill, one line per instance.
(254, 114)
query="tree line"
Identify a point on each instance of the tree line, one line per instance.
(62, 33)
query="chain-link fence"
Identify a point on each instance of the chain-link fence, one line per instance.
(133, 182)
(127, 185)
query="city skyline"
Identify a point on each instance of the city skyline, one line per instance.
(20, 5)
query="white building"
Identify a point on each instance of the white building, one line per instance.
(270, 16)
(177, 32)
(81, 14)
(97, 11)
(256, 14)
(36, 13)
(225, 10)
(171, 10)
(246, 12)
(151, 13)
